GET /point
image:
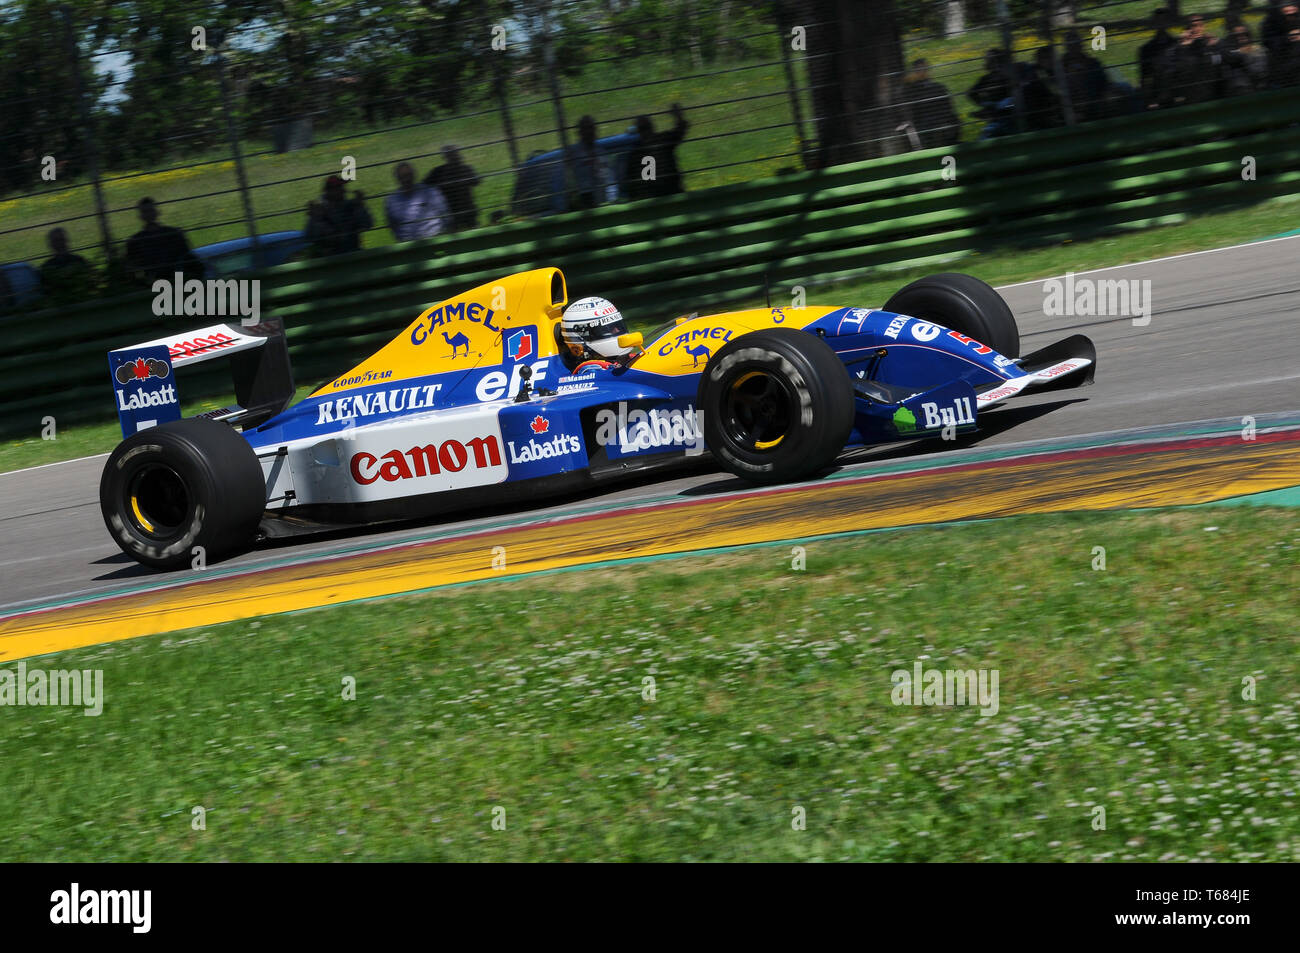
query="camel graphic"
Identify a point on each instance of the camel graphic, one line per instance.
(698, 350)
(456, 342)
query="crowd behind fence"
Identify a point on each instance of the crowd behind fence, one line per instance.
(260, 178)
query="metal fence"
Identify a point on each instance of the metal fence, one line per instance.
(242, 147)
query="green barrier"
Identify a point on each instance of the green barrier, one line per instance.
(712, 248)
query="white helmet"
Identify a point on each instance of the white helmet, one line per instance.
(593, 327)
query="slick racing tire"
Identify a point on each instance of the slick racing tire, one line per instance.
(777, 405)
(181, 485)
(961, 303)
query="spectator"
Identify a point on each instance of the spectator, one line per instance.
(661, 147)
(1284, 68)
(1278, 22)
(456, 180)
(593, 181)
(65, 276)
(1195, 65)
(335, 223)
(994, 96)
(1085, 79)
(1154, 58)
(159, 251)
(932, 114)
(415, 210)
(1247, 62)
(1042, 102)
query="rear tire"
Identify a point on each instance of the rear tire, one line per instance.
(777, 405)
(181, 485)
(961, 303)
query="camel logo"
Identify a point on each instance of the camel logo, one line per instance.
(458, 340)
(141, 369)
(697, 352)
(695, 343)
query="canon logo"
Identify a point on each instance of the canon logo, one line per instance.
(450, 456)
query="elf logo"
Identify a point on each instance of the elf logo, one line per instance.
(519, 345)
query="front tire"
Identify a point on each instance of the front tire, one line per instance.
(777, 405)
(961, 303)
(184, 484)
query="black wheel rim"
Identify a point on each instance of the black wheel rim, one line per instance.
(157, 501)
(757, 411)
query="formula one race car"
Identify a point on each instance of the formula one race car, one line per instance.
(480, 400)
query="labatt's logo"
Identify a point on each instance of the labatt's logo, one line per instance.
(559, 445)
(450, 456)
(142, 399)
(459, 311)
(643, 430)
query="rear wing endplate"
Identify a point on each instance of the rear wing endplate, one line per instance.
(144, 378)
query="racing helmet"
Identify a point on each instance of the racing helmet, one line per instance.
(591, 327)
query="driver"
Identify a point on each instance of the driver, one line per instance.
(590, 329)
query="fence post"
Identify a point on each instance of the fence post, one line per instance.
(792, 85)
(87, 134)
(548, 51)
(1010, 71)
(233, 135)
(499, 87)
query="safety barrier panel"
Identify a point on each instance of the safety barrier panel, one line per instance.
(718, 247)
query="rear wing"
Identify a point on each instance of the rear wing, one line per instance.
(144, 375)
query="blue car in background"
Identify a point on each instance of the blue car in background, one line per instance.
(20, 285)
(539, 184)
(237, 255)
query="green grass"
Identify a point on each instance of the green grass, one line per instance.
(998, 267)
(1119, 688)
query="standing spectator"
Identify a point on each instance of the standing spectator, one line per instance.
(1085, 79)
(1038, 93)
(415, 210)
(592, 178)
(933, 116)
(1284, 66)
(456, 180)
(65, 276)
(335, 223)
(1278, 22)
(661, 147)
(1154, 58)
(1247, 62)
(994, 96)
(1194, 68)
(159, 251)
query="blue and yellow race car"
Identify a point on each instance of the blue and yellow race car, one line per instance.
(480, 400)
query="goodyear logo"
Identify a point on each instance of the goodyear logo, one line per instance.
(459, 311)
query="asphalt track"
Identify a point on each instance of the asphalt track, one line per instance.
(1222, 343)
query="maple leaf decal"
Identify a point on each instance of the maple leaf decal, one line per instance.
(141, 368)
(540, 424)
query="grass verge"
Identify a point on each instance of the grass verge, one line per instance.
(1118, 688)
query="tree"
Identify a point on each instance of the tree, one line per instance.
(855, 65)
